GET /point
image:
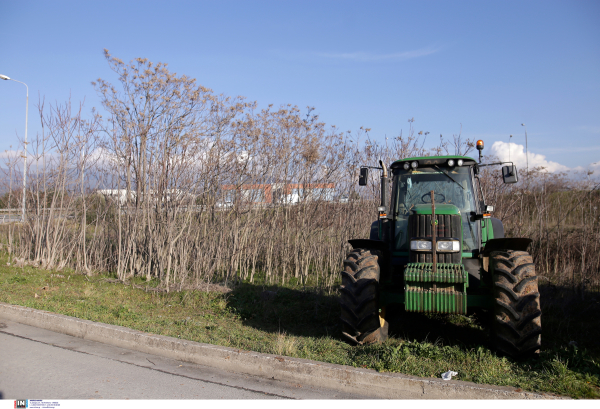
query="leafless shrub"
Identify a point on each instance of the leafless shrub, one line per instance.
(560, 214)
(178, 184)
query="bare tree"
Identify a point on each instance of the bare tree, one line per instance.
(179, 184)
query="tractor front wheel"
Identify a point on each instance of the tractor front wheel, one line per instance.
(517, 327)
(361, 319)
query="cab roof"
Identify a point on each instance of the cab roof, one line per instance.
(434, 160)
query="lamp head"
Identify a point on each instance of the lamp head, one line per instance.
(4, 77)
(479, 147)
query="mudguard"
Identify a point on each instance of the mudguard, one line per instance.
(510, 243)
(369, 244)
(374, 235)
(497, 228)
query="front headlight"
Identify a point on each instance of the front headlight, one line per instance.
(442, 245)
(448, 245)
(420, 245)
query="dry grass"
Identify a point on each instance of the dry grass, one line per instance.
(285, 345)
(174, 224)
(302, 321)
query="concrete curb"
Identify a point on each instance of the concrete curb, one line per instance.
(352, 380)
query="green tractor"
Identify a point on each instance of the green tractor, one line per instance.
(437, 249)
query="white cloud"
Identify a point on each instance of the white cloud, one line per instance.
(591, 169)
(572, 149)
(589, 129)
(15, 158)
(368, 57)
(516, 153)
(10, 154)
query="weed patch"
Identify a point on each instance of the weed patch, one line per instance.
(303, 322)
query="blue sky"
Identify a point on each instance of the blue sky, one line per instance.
(488, 65)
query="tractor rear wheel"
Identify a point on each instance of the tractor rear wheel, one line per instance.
(361, 321)
(517, 327)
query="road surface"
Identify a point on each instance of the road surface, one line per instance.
(39, 364)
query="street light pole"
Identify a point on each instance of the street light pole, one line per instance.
(526, 150)
(4, 77)
(509, 142)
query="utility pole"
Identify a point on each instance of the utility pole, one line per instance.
(4, 77)
(526, 150)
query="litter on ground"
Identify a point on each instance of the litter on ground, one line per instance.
(447, 376)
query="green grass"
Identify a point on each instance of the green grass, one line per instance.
(303, 322)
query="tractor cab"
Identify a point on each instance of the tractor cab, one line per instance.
(452, 181)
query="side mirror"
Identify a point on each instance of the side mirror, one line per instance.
(364, 177)
(509, 174)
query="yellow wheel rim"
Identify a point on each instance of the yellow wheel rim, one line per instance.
(382, 317)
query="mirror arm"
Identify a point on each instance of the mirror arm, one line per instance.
(482, 199)
(384, 181)
(497, 163)
(362, 181)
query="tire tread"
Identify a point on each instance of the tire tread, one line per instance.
(516, 328)
(359, 298)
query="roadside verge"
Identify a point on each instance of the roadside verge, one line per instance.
(344, 378)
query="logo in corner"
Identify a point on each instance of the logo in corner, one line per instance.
(20, 403)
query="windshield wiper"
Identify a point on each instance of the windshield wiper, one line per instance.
(451, 178)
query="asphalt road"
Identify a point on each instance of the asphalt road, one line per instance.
(39, 364)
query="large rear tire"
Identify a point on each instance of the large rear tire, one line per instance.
(517, 326)
(361, 321)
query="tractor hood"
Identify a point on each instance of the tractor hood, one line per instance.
(439, 209)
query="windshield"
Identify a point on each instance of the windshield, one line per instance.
(451, 186)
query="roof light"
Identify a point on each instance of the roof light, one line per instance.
(406, 165)
(450, 162)
(459, 162)
(414, 165)
(480, 145)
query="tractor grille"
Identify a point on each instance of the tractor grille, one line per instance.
(444, 290)
(419, 225)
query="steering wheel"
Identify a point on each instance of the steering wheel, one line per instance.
(426, 198)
